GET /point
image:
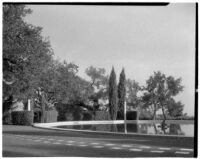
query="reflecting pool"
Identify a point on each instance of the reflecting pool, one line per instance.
(140, 128)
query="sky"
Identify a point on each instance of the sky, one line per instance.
(142, 39)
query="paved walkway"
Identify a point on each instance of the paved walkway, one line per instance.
(22, 141)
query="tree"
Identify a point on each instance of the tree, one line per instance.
(99, 84)
(113, 95)
(174, 109)
(61, 81)
(97, 75)
(159, 90)
(25, 53)
(132, 88)
(29, 70)
(149, 104)
(121, 92)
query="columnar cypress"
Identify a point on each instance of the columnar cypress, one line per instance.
(113, 95)
(121, 92)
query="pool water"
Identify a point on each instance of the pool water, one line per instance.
(144, 128)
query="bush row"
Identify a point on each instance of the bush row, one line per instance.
(22, 117)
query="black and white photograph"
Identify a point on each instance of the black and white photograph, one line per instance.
(99, 79)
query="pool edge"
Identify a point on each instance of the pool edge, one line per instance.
(50, 126)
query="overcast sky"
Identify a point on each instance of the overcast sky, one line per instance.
(140, 39)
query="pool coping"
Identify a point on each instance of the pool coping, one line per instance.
(51, 127)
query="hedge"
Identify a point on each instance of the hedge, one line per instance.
(130, 115)
(22, 117)
(87, 116)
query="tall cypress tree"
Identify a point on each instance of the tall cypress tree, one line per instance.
(113, 95)
(121, 93)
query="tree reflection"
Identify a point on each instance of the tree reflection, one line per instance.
(175, 129)
(144, 128)
(133, 128)
(114, 127)
(163, 126)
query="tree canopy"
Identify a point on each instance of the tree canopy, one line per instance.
(132, 88)
(121, 92)
(173, 108)
(26, 53)
(113, 107)
(160, 90)
(98, 83)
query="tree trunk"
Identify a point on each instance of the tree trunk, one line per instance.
(154, 113)
(155, 128)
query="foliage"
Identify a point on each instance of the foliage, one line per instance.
(25, 53)
(113, 95)
(174, 109)
(99, 84)
(149, 104)
(61, 84)
(72, 112)
(97, 75)
(22, 117)
(145, 115)
(121, 92)
(159, 90)
(132, 89)
(102, 115)
(87, 116)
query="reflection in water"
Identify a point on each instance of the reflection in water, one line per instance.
(176, 129)
(143, 128)
(87, 127)
(114, 128)
(146, 128)
(134, 128)
(163, 126)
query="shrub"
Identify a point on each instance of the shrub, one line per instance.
(102, 115)
(22, 117)
(87, 116)
(130, 115)
(68, 117)
(77, 115)
(67, 112)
